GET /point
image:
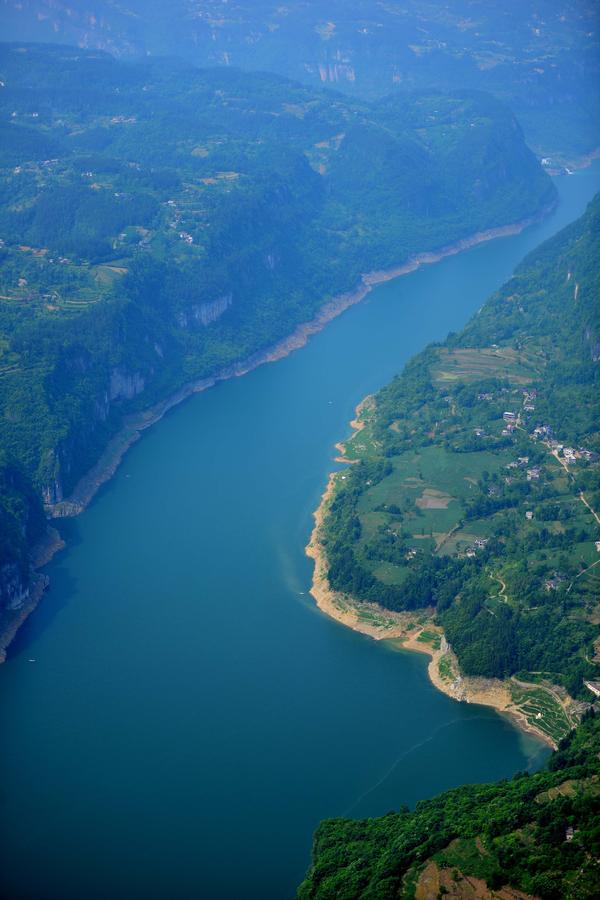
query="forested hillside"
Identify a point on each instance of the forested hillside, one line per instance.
(158, 223)
(535, 836)
(542, 59)
(476, 488)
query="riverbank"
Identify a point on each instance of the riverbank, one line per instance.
(37, 586)
(415, 631)
(41, 554)
(135, 425)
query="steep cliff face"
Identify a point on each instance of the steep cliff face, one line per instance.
(125, 385)
(21, 524)
(14, 587)
(97, 417)
(205, 313)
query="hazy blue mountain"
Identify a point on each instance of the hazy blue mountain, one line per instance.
(540, 57)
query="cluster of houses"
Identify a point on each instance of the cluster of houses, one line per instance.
(184, 236)
(511, 420)
(478, 544)
(572, 454)
(529, 398)
(553, 584)
(522, 462)
(519, 463)
(569, 454)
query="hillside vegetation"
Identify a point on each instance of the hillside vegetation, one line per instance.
(533, 836)
(159, 223)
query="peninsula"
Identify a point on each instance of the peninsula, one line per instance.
(467, 524)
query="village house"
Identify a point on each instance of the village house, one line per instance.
(533, 474)
(588, 455)
(509, 416)
(529, 515)
(553, 584)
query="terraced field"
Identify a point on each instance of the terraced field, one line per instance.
(542, 709)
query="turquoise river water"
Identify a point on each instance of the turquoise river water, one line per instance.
(176, 717)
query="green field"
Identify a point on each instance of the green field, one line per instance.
(429, 488)
(474, 364)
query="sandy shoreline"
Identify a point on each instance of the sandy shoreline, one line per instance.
(136, 424)
(584, 162)
(407, 630)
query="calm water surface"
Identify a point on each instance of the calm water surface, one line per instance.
(190, 716)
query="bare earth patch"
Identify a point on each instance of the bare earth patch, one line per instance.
(453, 883)
(432, 499)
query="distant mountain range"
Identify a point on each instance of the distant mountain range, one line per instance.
(542, 58)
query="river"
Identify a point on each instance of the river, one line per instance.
(176, 717)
